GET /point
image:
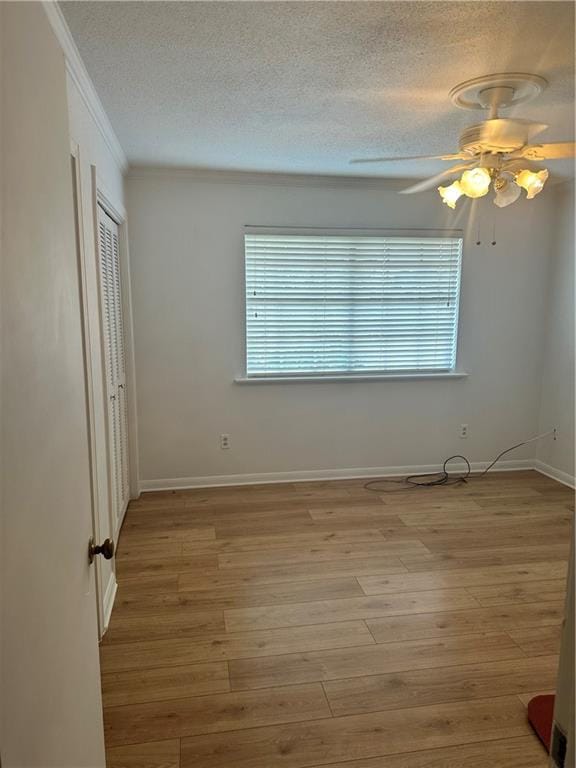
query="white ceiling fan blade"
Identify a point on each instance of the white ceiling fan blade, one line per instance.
(433, 181)
(535, 128)
(505, 134)
(555, 151)
(529, 128)
(515, 165)
(459, 156)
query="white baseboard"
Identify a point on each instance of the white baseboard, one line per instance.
(555, 474)
(109, 597)
(263, 478)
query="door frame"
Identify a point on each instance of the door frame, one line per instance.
(91, 192)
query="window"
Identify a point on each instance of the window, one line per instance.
(340, 303)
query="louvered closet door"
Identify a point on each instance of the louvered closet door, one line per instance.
(113, 329)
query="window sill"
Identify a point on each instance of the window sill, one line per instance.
(350, 379)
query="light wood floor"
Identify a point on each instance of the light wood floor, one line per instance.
(322, 624)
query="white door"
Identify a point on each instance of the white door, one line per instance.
(113, 337)
(50, 683)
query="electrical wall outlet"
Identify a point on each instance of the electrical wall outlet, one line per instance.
(224, 442)
(463, 431)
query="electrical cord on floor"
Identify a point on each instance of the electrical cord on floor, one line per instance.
(443, 477)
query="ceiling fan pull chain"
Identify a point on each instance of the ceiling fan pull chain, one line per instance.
(494, 231)
(478, 240)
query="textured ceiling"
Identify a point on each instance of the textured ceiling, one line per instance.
(305, 86)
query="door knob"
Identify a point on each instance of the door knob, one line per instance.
(106, 549)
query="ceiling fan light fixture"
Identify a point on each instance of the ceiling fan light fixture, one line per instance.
(475, 182)
(451, 194)
(533, 182)
(497, 150)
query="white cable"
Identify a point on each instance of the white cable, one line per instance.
(442, 477)
(539, 437)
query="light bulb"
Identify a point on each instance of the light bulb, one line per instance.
(532, 182)
(475, 182)
(451, 194)
(506, 192)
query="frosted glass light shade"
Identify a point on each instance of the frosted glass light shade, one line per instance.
(475, 182)
(532, 182)
(506, 194)
(450, 195)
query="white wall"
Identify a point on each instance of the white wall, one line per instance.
(557, 405)
(85, 131)
(187, 282)
(49, 670)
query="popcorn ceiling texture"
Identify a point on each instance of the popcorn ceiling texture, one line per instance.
(305, 86)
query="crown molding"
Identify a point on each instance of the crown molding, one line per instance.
(279, 178)
(79, 74)
(222, 176)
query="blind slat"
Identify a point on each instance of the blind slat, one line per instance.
(320, 304)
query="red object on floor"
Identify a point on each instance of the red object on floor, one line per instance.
(540, 715)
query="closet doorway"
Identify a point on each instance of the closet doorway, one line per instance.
(114, 364)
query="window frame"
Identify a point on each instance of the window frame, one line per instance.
(344, 377)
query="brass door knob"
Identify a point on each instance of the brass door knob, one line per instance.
(106, 549)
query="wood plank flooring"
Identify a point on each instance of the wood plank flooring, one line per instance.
(323, 624)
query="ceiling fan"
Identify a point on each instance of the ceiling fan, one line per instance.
(497, 150)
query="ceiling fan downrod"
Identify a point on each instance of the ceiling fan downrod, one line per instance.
(496, 98)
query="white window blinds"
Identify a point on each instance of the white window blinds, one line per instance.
(330, 304)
